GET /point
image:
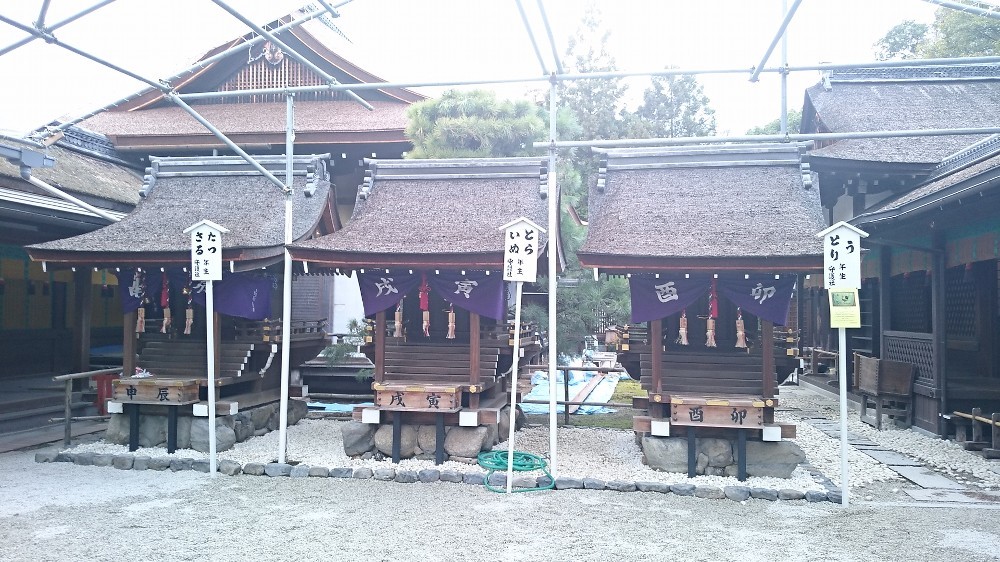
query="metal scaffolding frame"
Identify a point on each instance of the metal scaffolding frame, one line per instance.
(40, 31)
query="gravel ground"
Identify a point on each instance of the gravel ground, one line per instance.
(61, 511)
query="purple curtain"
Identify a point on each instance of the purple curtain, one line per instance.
(239, 294)
(654, 298)
(381, 290)
(476, 292)
(761, 295)
(130, 290)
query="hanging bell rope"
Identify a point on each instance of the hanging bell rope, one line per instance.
(682, 332)
(189, 311)
(741, 332)
(713, 313)
(398, 330)
(451, 323)
(165, 303)
(425, 291)
(140, 322)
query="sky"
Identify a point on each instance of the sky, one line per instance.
(448, 40)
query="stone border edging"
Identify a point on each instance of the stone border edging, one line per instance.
(407, 476)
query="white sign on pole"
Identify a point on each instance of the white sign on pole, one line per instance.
(520, 250)
(520, 258)
(842, 274)
(206, 250)
(206, 265)
(842, 256)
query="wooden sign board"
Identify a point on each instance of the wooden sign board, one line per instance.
(717, 416)
(153, 391)
(416, 400)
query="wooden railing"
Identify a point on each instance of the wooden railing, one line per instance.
(68, 412)
(270, 331)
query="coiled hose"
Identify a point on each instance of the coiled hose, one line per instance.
(493, 461)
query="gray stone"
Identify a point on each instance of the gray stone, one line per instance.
(503, 424)
(451, 476)
(243, 426)
(203, 465)
(660, 487)
(84, 459)
(46, 456)
(342, 472)
(789, 494)
(524, 481)
(427, 438)
(260, 432)
(764, 494)
(593, 484)
(429, 475)
(299, 471)
(225, 437)
(464, 460)
(274, 420)
(718, 451)
(319, 472)
(737, 493)
(229, 468)
(407, 440)
(835, 496)
(359, 438)
(177, 465)
(64, 456)
(406, 476)
(668, 454)
(709, 492)
(277, 469)
(715, 470)
(777, 459)
(473, 478)
(621, 486)
(152, 431)
(543, 481)
(701, 464)
(159, 463)
(297, 410)
(104, 459)
(140, 462)
(567, 483)
(184, 432)
(498, 480)
(369, 455)
(261, 415)
(253, 469)
(123, 462)
(920, 476)
(492, 436)
(465, 441)
(683, 489)
(814, 496)
(363, 473)
(118, 430)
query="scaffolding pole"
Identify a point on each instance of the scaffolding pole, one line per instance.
(286, 303)
(789, 14)
(993, 14)
(552, 251)
(531, 36)
(53, 27)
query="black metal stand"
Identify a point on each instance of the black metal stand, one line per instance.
(397, 434)
(741, 452)
(133, 426)
(439, 440)
(692, 453)
(172, 428)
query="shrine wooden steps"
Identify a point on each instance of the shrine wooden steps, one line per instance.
(189, 359)
(708, 372)
(407, 363)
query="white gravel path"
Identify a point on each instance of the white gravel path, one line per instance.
(608, 454)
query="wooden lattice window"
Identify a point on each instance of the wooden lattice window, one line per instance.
(911, 302)
(264, 74)
(960, 302)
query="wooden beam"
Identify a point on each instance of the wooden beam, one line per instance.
(380, 346)
(82, 301)
(767, 348)
(938, 329)
(129, 343)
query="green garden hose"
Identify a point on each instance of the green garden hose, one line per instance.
(493, 461)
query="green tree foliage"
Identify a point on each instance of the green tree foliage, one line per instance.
(902, 41)
(675, 106)
(774, 127)
(953, 34)
(466, 124)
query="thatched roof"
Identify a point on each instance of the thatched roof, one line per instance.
(225, 190)
(435, 212)
(95, 179)
(903, 99)
(964, 175)
(746, 207)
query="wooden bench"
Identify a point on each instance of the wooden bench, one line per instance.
(886, 385)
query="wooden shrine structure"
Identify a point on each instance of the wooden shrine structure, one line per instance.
(425, 237)
(930, 272)
(710, 238)
(164, 337)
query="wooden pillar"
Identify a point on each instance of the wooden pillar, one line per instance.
(938, 329)
(81, 318)
(767, 351)
(474, 346)
(656, 347)
(129, 339)
(380, 346)
(884, 298)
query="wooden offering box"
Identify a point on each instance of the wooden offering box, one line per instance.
(153, 390)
